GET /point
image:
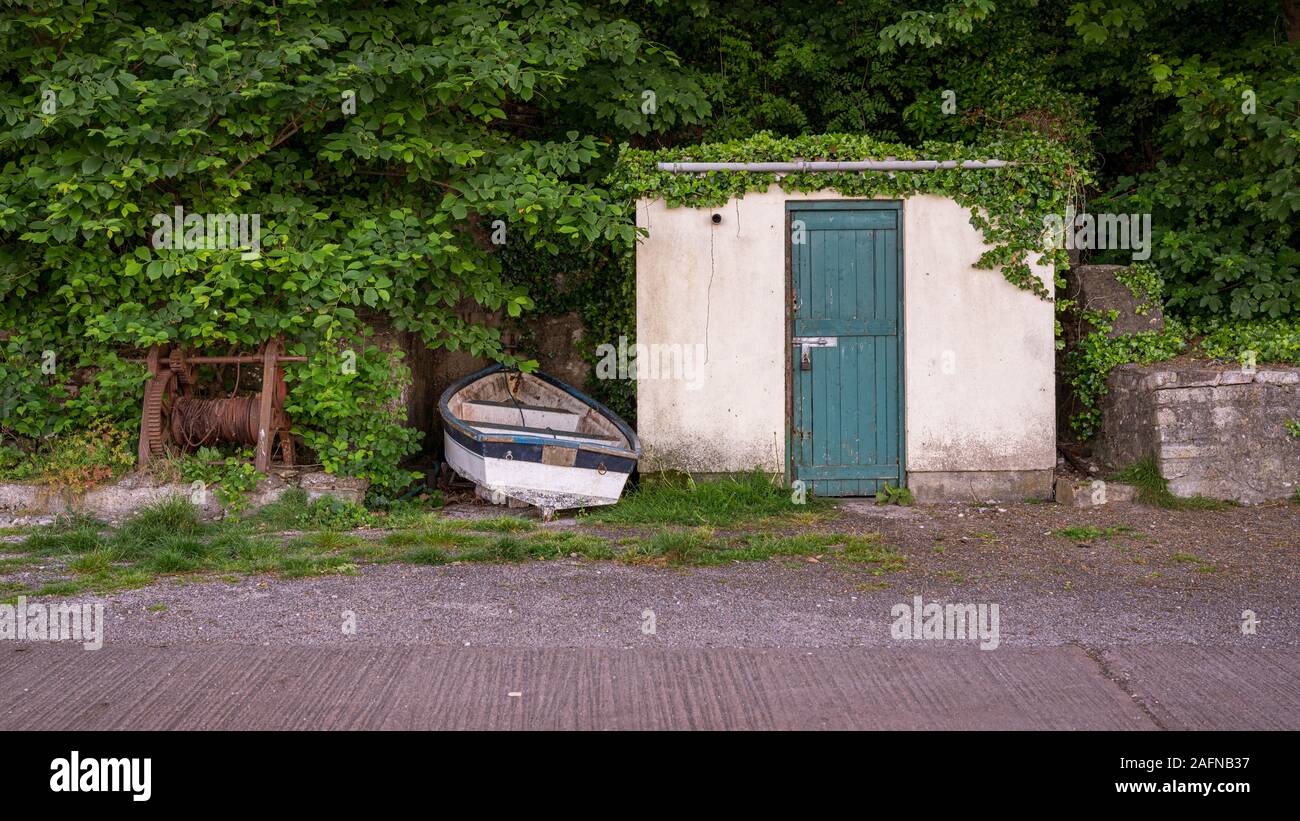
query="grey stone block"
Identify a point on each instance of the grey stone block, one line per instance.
(1092, 492)
(1095, 288)
(1213, 432)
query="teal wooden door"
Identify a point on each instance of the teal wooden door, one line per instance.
(846, 436)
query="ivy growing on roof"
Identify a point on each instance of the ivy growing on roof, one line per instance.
(1007, 204)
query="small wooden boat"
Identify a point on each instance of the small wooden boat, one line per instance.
(528, 438)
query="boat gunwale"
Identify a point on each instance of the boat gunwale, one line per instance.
(633, 452)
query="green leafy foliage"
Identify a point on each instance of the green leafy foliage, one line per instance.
(1088, 365)
(890, 495)
(347, 403)
(294, 511)
(374, 145)
(230, 477)
(1225, 195)
(596, 284)
(73, 462)
(1263, 341)
(1007, 204)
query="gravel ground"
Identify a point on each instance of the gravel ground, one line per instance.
(1181, 577)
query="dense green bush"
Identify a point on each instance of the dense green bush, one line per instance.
(376, 146)
(347, 403)
(381, 144)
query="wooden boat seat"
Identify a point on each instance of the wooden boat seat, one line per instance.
(510, 413)
(592, 438)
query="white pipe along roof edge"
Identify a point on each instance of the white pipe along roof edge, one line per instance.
(829, 165)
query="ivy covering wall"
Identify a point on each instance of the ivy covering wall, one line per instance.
(1007, 204)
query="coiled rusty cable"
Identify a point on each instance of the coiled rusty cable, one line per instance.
(198, 422)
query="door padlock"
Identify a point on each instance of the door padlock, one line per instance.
(807, 343)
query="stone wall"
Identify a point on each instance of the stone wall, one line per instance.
(116, 501)
(1213, 430)
(1095, 288)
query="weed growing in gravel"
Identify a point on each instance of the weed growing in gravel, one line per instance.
(700, 548)
(1199, 565)
(1088, 533)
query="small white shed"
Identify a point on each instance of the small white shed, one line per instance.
(846, 342)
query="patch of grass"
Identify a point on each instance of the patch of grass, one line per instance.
(514, 549)
(501, 524)
(293, 511)
(418, 512)
(674, 547)
(256, 556)
(1199, 565)
(66, 587)
(561, 545)
(292, 567)
(325, 541)
(440, 536)
(285, 513)
(98, 560)
(868, 549)
(172, 524)
(760, 547)
(328, 513)
(66, 522)
(50, 542)
(427, 554)
(1088, 533)
(9, 590)
(157, 607)
(723, 502)
(699, 547)
(11, 563)
(180, 554)
(1153, 489)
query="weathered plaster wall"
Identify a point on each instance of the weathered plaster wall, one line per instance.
(1218, 432)
(978, 352)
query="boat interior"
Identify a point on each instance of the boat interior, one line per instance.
(509, 402)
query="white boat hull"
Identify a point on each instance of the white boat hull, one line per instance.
(529, 439)
(549, 487)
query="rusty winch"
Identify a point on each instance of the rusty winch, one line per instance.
(175, 417)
